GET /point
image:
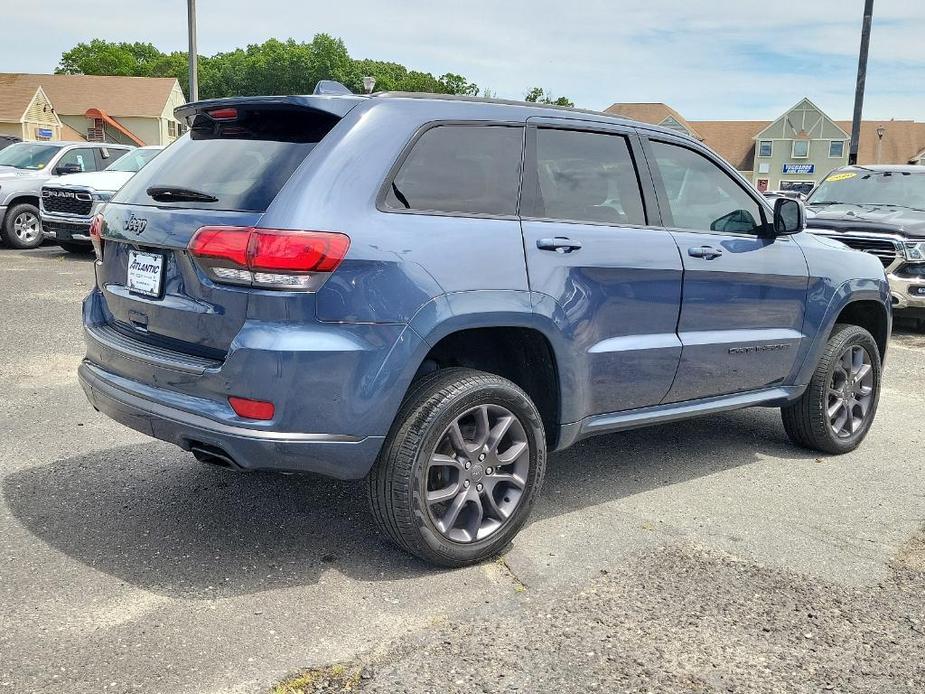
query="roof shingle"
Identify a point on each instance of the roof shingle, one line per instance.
(74, 94)
(734, 140)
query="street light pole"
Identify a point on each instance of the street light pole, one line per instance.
(862, 78)
(193, 56)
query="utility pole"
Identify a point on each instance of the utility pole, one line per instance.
(193, 56)
(862, 78)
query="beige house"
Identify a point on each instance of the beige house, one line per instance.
(800, 146)
(127, 110)
(26, 112)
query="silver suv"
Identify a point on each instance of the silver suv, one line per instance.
(26, 166)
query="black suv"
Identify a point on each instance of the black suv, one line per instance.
(881, 210)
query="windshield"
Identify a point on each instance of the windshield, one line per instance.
(134, 160)
(28, 155)
(886, 188)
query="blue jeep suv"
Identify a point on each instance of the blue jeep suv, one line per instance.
(432, 293)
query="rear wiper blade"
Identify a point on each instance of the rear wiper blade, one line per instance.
(177, 194)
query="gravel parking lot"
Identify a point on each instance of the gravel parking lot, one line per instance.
(704, 556)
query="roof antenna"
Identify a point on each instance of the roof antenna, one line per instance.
(331, 88)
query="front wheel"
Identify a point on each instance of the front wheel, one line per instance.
(461, 468)
(837, 409)
(22, 226)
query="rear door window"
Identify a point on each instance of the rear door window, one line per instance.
(585, 177)
(460, 169)
(241, 163)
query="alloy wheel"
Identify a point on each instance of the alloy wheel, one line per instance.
(477, 474)
(851, 391)
(27, 227)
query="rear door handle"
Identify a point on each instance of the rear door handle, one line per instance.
(560, 244)
(705, 252)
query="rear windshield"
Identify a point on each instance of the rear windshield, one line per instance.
(231, 165)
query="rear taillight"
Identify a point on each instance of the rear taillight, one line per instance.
(96, 236)
(252, 409)
(269, 258)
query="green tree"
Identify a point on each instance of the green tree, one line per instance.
(541, 96)
(451, 83)
(106, 58)
(271, 67)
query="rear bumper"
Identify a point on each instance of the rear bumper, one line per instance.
(334, 455)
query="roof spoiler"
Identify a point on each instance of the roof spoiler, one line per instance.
(334, 105)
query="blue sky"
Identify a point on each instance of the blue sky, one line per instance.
(748, 59)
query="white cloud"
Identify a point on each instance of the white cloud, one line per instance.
(719, 59)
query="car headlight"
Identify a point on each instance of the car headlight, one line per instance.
(103, 195)
(915, 250)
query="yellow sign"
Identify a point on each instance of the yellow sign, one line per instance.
(842, 176)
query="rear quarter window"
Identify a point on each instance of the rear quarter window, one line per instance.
(464, 169)
(243, 163)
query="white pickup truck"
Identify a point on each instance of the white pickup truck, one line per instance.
(26, 166)
(69, 204)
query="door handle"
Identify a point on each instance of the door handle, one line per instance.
(560, 244)
(705, 252)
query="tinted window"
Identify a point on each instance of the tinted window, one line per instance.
(458, 168)
(134, 160)
(108, 155)
(84, 158)
(585, 177)
(243, 162)
(701, 195)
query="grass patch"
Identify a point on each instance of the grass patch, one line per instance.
(327, 680)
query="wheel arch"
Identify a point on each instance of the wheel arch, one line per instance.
(20, 198)
(498, 332)
(853, 300)
(870, 315)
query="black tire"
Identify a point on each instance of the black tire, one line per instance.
(77, 248)
(397, 484)
(806, 420)
(9, 233)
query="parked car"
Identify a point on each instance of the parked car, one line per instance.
(7, 140)
(790, 193)
(434, 292)
(68, 204)
(791, 188)
(26, 166)
(880, 210)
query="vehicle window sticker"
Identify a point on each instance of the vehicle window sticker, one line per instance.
(842, 176)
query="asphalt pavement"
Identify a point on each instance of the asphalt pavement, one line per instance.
(709, 555)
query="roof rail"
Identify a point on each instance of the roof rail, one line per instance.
(331, 88)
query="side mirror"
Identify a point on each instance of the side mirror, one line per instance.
(65, 169)
(789, 216)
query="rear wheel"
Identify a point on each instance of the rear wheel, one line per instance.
(78, 248)
(461, 468)
(837, 409)
(22, 226)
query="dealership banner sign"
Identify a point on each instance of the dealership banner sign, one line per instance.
(802, 169)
